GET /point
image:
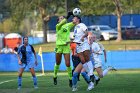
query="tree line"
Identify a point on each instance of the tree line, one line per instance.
(21, 12)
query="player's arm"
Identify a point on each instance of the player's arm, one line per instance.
(103, 49)
(58, 26)
(34, 55)
(85, 35)
(18, 55)
(105, 55)
(98, 51)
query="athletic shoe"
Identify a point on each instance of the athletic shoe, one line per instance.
(90, 86)
(97, 81)
(111, 68)
(74, 88)
(55, 80)
(19, 87)
(35, 87)
(70, 83)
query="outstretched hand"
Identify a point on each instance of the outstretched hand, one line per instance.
(69, 14)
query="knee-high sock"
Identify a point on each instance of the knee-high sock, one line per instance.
(19, 81)
(35, 80)
(74, 79)
(105, 72)
(86, 77)
(56, 68)
(69, 72)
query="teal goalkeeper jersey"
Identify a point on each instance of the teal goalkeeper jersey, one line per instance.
(63, 32)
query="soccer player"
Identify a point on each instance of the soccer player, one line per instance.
(96, 51)
(83, 51)
(63, 46)
(26, 54)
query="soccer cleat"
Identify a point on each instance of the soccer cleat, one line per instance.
(55, 80)
(70, 83)
(111, 68)
(19, 87)
(90, 86)
(97, 81)
(35, 87)
(74, 89)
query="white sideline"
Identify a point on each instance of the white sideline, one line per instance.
(6, 81)
(14, 79)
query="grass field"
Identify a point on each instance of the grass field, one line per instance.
(120, 81)
(109, 45)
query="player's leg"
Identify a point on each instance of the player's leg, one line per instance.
(34, 77)
(98, 69)
(87, 79)
(74, 78)
(84, 55)
(21, 70)
(76, 60)
(88, 62)
(56, 66)
(66, 52)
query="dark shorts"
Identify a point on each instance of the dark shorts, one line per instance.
(76, 60)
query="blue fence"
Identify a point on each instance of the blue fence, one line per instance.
(110, 20)
(117, 59)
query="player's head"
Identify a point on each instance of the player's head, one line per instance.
(76, 20)
(60, 18)
(25, 40)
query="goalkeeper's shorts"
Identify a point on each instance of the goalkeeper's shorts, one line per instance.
(62, 49)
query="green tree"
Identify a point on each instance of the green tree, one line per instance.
(46, 8)
(116, 7)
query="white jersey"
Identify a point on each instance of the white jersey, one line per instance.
(97, 50)
(101, 46)
(79, 32)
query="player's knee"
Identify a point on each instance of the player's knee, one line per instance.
(101, 75)
(75, 74)
(83, 73)
(20, 75)
(68, 64)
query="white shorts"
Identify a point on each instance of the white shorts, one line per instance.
(82, 47)
(97, 63)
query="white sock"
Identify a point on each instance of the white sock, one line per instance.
(96, 77)
(105, 72)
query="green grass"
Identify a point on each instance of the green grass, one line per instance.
(109, 45)
(121, 81)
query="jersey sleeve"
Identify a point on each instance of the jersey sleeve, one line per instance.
(84, 27)
(19, 50)
(70, 25)
(58, 26)
(32, 49)
(101, 46)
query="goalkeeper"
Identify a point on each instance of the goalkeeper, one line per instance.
(63, 46)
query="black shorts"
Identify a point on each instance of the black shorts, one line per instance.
(76, 60)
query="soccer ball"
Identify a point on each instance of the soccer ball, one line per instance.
(76, 11)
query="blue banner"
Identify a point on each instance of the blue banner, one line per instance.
(117, 59)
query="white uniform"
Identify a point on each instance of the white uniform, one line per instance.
(79, 32)
(101, 46)
(97, 51)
